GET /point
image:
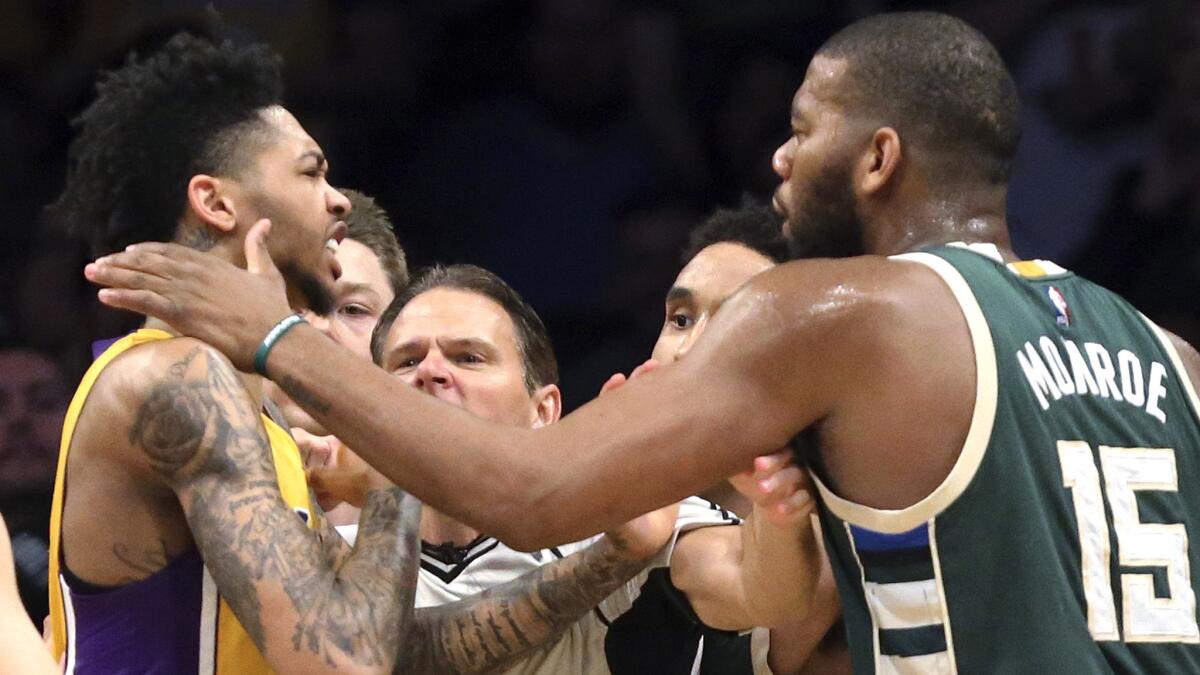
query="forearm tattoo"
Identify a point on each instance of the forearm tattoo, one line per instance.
(200, 430)
(493, 630)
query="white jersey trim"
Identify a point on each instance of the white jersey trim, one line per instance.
(943, 599)
(1177, 363)
(69, 615)
(760, 650)
(895, 521)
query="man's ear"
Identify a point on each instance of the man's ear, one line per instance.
(548, 401)
(878, 166)
(209, 200)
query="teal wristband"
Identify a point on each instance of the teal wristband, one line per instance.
(260, 354)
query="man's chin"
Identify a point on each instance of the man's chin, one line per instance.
(314, 291)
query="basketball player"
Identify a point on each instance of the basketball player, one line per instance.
(182, 534)
(461, 334)
(1010, 439)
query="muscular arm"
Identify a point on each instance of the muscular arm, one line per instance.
(574, 478)
(198, 429)
(792, 348)
(490, 631)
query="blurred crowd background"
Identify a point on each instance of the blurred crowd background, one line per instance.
(569, 145)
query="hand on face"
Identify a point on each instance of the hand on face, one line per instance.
(199, 295)
(335, 473)
(780, 491)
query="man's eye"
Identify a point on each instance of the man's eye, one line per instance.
(680, 320)
(469, 358)
(355, 310)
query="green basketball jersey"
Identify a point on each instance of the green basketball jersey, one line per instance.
(1060, 542)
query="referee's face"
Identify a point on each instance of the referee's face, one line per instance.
(461, 347)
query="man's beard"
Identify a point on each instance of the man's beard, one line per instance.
(320, 298)
(825, 223)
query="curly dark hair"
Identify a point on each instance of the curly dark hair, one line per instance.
(191, 107)
(756, 226)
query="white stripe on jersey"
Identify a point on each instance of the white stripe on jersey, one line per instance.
(69, 613)
(209, 603)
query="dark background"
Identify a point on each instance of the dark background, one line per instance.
(569, 145)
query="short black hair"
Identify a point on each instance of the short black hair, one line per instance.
(938, 82)
(191, 107)
(533, 342)
(756, 226)
(368, 224)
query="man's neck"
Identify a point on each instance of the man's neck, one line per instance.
(937, 222)
(438, 528)
(251, 381)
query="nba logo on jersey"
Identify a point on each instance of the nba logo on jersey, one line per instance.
(1062, 313)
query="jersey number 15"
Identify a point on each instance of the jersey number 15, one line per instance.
(1146, 618)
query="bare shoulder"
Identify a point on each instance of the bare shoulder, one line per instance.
(879, 353)
(146, 385)
(854, 304)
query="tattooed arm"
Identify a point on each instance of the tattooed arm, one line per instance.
(491, 631)
(197, 428)
(494, 629)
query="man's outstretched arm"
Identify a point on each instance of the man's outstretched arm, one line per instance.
(769, 365)
(197, 428)
(493, 630)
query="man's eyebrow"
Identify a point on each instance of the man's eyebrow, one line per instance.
(679, 294)
(402, 348)
(315, 154)
(477, 344)
(357, 287)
